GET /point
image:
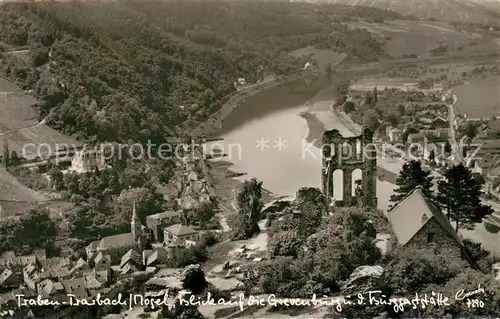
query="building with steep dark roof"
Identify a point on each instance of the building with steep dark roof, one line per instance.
(117, 245)
(157, 222)
(417, 221)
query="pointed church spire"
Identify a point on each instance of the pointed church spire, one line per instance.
(135, 223)
(135, 217)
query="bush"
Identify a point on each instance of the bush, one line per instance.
(413, 269)
(209, 239)
(193, 255)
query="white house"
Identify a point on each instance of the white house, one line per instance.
(87, 161)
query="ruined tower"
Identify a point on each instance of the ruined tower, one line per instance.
(347, 147)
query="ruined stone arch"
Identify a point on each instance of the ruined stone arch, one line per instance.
(359, 160)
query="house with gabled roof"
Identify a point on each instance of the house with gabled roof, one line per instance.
(80, 265)
(102, 261)
(128, 269)
(10, 279)
(117, 245)
(180, 234)
(417, 221)
(76, 286)
(157, 222)
(91, 250)
(103, 276)
(49, 289)
(131, 257)
(7, 258)
(154, 257)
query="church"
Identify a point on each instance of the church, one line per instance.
(117, 245)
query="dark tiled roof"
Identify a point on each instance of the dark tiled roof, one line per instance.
(76, 286)
(131, 256)
(122, 240)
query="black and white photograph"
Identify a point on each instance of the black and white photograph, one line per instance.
(223, 159)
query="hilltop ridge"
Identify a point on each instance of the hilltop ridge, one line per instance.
(473, 11)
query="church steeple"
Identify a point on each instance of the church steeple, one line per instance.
(135, 223)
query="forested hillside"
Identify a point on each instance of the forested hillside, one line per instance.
(135, 70)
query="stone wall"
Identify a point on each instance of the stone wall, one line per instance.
(433, 234)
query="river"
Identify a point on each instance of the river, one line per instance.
(285, 167)
(274, 116)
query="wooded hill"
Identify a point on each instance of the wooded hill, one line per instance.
(135, 70)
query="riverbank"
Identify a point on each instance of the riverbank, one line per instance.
(227, 181)
(226, 186)
(214, 123)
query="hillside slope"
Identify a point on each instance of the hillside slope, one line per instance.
(474, 11)
(135, 70)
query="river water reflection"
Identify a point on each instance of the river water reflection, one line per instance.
(266, 138)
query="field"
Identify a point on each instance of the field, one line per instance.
(20, 126)
(478, 11)
(479, 98)
(406, 38)
(322, 56)
(12, 190)
(15, 108)
(368, 84)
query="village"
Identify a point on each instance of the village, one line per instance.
(86, 215)
(145, 252)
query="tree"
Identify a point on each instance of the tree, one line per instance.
(341, 90)
(146, 202)
(311, 195)
(368, 99)
(15, 160)
(37, 230)
(411, 176)
(57, 178)
(461, 306)
(410, 130)
(413, 269)
(460, 195)
(371, 120)
(6, 153)
(349, 107)
(401, 110)
(432, 156)
(478, 254)
(193, 279)
(344, 243)
(375, 96)
(203, 214)
(191, 256)
(447, 148)
(286, 243)
(250, 205)
(470, 130)
(392, 119)
(312, 205)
